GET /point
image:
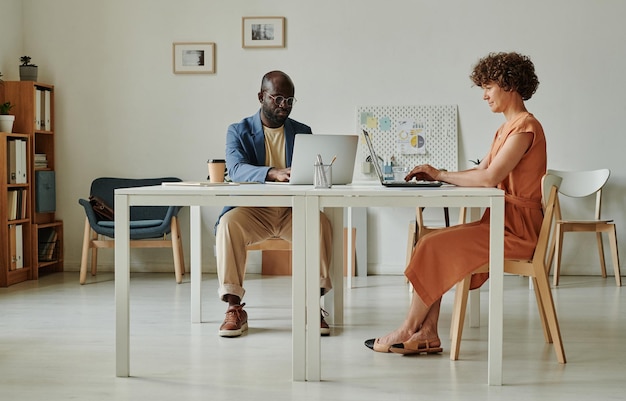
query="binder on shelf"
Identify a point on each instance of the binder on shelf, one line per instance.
(12, 162)
(45, 192)
(38, 109)
(19, 247)
(20, 161)
(12, 247)
(47, 106)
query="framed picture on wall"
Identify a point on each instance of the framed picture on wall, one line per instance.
(263, 32)
(194, 57)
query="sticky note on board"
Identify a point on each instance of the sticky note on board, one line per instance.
(372, 122)
(384, 123)
(364, 116)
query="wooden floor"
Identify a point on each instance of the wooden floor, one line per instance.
(57, 343)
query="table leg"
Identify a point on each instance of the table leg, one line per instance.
(312, 273)
(298, 290)
(348, 248)
(496, 283)
(195, 222)
(473, 306)
(122, 287)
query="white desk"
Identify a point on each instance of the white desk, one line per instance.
(335, 199)
(195, 197)
(306, 203)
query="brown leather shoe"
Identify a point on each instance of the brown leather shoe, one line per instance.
(235, 322)
(324, 327)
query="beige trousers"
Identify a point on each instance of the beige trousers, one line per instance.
(244, 226)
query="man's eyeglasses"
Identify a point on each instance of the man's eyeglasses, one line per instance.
(278, 100)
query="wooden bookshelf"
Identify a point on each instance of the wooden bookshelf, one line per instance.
(15, 223)
(34, 118)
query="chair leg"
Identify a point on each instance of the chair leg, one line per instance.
(94, 254)
(601, 253)
(182, 254)
(557, 257)
(458, 316)
(542, 312)
(85, 253)
(545, 297)
(410, 246)
(615, 256)
(176, 250)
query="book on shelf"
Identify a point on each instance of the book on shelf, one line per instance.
(41, 161)
(45, 192)
(12, 205)
(16, 204)
(47, 244)
(23, 201)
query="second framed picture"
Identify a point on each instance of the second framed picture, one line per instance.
(194, 57)
(263, 32)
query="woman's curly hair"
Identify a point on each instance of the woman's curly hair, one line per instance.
(511, 71)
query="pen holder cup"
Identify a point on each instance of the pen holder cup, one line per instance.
(323, 175)
(399, 173)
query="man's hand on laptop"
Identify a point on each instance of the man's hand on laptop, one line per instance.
(278, 174)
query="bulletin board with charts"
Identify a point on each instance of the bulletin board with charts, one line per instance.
(412, 135)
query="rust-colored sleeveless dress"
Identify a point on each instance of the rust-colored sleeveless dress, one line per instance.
(443, 257)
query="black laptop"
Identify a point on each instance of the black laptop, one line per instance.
(393, 183)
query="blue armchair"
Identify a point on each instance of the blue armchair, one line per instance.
(149, 225)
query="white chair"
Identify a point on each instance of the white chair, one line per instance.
(581, 184)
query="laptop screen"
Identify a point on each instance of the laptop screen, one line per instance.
(307, 147)
(373, 157)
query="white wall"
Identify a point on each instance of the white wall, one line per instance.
(12, 38)
(120, 111)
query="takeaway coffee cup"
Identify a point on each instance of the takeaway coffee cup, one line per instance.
(217, 167)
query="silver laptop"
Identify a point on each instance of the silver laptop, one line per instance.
(388, 183)
(306, 148)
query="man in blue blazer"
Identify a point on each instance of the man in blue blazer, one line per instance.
(258, 149)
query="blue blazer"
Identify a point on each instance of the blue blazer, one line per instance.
(245, 149)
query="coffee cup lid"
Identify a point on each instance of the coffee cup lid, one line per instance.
(216, 161)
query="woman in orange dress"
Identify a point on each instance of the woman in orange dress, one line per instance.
(516, 163)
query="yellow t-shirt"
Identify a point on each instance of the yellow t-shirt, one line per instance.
(275, 147)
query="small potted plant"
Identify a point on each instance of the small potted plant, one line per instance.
(6, 120)
(28, 71)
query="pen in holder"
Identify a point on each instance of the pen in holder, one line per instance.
(323, 176)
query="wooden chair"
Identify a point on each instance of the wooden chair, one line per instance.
(581, 184)
(276, 249)
(536, 268)
(417, 229)
(149, 225)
